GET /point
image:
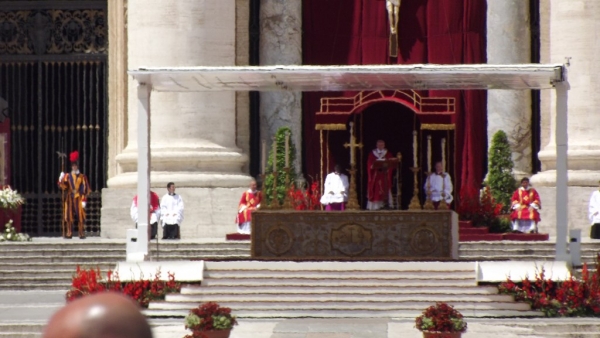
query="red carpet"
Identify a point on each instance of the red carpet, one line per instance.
(468, 233)
(237, 237)
(526, 237)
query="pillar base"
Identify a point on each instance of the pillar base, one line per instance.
(577, 178)
(209, 212)
(578, 209)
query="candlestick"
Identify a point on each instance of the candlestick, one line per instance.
(352, 162)
(415, 203)
(415, 148)
(287, 149)
(264, 157)
(274, 154)
(443, 155)
(428, 153)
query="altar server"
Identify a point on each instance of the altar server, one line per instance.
(335, 192)
(249, 202)
(525, 205)
(439, 182)
(154, 213)
(171, 212)
(594, 214)
(76, 188)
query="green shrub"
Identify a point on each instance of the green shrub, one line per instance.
(500, 170)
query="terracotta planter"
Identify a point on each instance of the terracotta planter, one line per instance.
(217, 333)
(430, 334)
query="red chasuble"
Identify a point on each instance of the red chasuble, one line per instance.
(248, 203)
(378, 189)
(525, 198)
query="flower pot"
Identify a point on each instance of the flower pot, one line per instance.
(431, 334)
(217, 333)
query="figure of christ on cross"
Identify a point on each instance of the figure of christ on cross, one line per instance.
(393, 9)
(380, 178)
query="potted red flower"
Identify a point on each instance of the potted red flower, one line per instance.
(441, 321)
(210, 320)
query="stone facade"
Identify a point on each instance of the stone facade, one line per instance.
(281, 44)
(193, 135)
(508, 42)
(572, 27)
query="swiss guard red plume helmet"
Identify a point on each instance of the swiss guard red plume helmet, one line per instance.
(74, 157)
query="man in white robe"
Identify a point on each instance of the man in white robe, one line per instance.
(335, 192)
(440, 186)
(594, 214)
(171, 211)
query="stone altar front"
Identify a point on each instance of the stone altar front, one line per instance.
(355, 235)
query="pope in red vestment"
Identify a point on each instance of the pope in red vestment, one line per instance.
(525, 205)
(249, 202)
(380, 180)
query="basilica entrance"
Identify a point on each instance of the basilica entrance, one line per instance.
(53, 99)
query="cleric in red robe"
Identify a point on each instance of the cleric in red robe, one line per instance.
(154, 213)
(380, 180)
(525, 208)
(249, 202)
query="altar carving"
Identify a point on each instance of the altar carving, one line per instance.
(354, 235)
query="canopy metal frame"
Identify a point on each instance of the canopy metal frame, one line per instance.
(355, 78)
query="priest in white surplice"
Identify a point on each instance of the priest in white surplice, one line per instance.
(171, 211)
(439, 181)
(594, 214)
(335, 192)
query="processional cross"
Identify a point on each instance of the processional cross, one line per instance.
(352, 145)
(393, 10)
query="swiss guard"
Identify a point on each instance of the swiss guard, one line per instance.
(76, 188)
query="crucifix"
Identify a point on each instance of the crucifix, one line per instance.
(352, 145)
(393, 9)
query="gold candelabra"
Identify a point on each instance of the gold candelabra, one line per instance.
(428, 202)
(415, 204)
(274, 205)
(352, 196)
(288, 203)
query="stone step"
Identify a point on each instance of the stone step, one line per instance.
(341, 266)
(57, 286)
(357, 290)
(103, 265)
(340, 283)
(23, 329)
(337, 275)
(81, 259)
(359, 313)
(309, 304)
(62, 253)
(384, 298)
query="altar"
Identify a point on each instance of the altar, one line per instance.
(390, 235)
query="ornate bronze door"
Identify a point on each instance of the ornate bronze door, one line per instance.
(53, 80)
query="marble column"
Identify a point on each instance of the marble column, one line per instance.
(509, 42)
(281, 44)
(193, 136)
(573, 27)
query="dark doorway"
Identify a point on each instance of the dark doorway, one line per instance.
(53, 76)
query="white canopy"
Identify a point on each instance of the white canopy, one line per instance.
(357, 78)
(341, 78)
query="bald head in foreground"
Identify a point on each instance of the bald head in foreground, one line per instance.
(103, 315)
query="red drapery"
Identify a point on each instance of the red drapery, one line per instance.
(339, 32)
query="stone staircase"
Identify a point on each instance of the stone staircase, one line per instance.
(49, 263)
(255, 289)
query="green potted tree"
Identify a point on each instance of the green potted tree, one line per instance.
(282, 189)
(441, 321)
(500, 177)
(210, 320)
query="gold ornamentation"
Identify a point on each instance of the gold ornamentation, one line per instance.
(351, 239)
(28, 32)
(435, 126)
(352, 195)
(279, 239)
(332, 126)
(423, 105)
(423, 240)
(415, 203)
